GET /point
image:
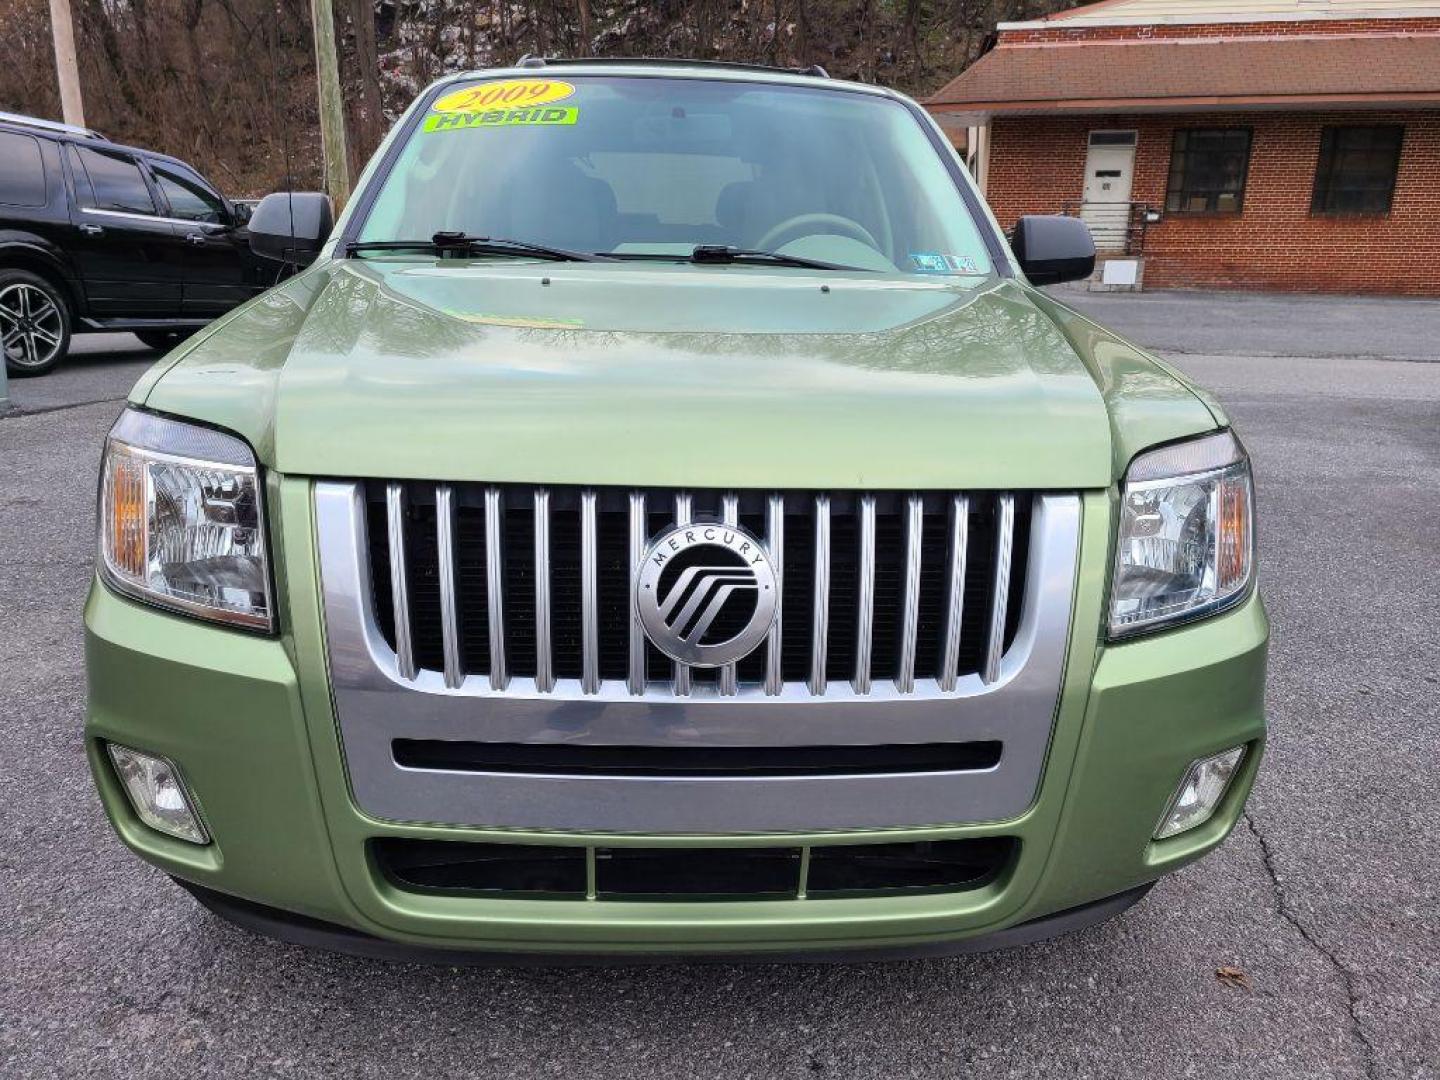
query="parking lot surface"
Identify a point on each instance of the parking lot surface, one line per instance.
(1327, 899)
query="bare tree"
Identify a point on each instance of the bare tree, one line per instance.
(370, 115)
(582, 9)
(230, 84)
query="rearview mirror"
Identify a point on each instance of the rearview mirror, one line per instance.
(291, 226)
(1052, 248)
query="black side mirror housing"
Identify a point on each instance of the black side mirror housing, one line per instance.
(291, 226)
(1052, 248)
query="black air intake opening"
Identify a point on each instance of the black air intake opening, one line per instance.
(866, 869)
(566, 759)
(727, 873)
(509, 869)
(535, 871)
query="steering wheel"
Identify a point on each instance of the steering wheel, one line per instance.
(807, 225)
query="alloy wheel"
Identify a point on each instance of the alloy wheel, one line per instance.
(31, 326)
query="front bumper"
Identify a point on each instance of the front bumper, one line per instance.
(251, 723)
(312, 933)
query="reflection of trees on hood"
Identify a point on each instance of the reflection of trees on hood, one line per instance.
(260, 337)
(993, 335)
(994, 332)
(410, 329)
(1118, 367)
(355, 311)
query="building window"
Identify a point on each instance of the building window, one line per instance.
(1356, 174)
(1207, 170)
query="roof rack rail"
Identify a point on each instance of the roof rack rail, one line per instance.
(529, 61)
(49, 125)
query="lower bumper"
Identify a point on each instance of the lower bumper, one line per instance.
(317, 934)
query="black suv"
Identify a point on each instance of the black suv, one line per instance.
(96, 236)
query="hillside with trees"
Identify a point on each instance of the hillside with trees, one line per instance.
(229, 84)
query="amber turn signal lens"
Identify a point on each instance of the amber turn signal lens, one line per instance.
(1233, 528)
(124, 512)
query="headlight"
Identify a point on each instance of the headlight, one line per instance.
(1185, 546)
(181, 521)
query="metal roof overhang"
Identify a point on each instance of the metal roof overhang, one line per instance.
(975, 114)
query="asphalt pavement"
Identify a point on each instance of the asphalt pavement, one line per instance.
(1327, 899)
(100, 369)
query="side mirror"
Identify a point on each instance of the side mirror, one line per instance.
(291, 226)
(1053, 248)
(240, 211)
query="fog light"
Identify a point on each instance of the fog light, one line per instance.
(157, 794)
(1200, 792)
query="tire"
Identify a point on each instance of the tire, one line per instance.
(164, 340)
(34, 323)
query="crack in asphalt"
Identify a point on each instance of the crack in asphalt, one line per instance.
(1284, 909)
(16, 411)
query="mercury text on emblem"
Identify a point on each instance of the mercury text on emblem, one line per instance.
(706, 593)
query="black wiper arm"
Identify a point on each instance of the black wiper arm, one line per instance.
(721, 253)
(459, 243)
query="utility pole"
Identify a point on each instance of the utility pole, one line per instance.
(63, 31)
(332, 112)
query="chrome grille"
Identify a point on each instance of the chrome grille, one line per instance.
(494, 583)
(794, 702)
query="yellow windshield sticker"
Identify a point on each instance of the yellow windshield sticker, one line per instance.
(490, 118)
(507, 94)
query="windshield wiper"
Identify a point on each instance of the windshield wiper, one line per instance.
(458, 243)
(722, 253)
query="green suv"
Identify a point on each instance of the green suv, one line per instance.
(665, 518)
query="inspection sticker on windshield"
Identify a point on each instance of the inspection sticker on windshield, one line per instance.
(932, 262)
(491, 118)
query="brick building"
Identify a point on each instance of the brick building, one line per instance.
(1271, 144)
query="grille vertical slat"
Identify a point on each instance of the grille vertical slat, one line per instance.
(726, 680)
(883, 591)
(1000, 592)
(449, 602)
(775, 544)
(399, 587)
(495, 584)
(910, 601)
(638, 534)
(682, 671)
(820, 584)
(865, 609)
(955, 616)
(844, 589)
(544, 653)
(589, 595)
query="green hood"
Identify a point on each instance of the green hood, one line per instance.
(664, 375)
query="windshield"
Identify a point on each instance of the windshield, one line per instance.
(654, 167)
